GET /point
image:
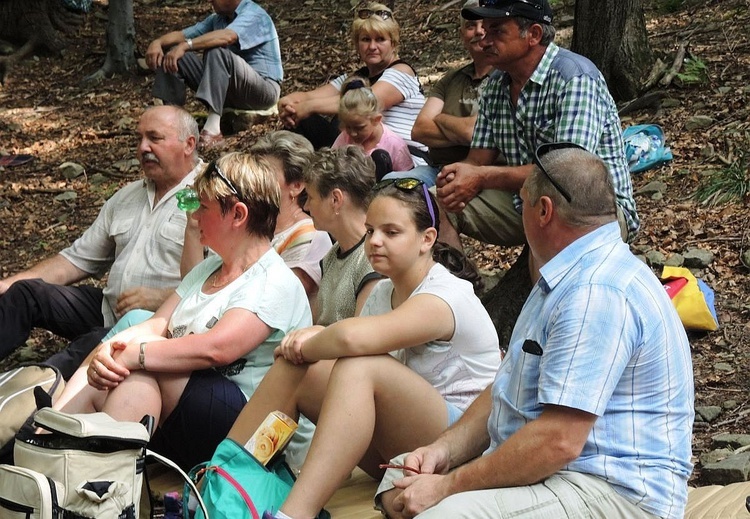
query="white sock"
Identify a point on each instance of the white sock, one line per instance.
(213, 123)
(280, 515)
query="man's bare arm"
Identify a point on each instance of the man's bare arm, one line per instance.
(457, 130)
(57, 270)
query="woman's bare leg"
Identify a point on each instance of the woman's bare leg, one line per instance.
(368, 397)
(77, 386)
(136, 396)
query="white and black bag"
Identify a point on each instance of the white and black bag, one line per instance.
(87, 466)
(18, 403)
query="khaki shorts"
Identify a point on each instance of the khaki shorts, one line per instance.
(564, 494)
(491, 217)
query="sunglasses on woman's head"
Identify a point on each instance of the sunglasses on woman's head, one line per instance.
(544, 149)
(364, 14)
(214, 170)
(409, 184)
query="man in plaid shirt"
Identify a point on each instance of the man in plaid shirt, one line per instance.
(540, 93)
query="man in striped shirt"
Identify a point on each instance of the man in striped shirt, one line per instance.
(540, 93)
(591, 411)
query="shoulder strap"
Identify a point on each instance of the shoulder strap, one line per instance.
(188, 481)
(292, 238)
(402, 62)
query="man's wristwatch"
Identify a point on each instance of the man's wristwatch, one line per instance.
(189, 42)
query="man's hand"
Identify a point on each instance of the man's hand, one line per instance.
(172, 57)
(430, 459)
(457, 184)
(288, 115)
(287, 109)
(154, 55)
(422, 485)
(143, 298)
(419, 493)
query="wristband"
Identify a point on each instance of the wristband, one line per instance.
(142, 356)
(189, 42)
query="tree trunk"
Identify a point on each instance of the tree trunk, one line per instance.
(41, 24)
(505, 300)
(612, 34)
(120, 41)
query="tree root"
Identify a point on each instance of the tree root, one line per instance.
(105, 72)
(648, 100)
(7, 62)
(676, 65)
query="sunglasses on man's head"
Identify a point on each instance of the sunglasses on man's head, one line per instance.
(213, 169)
(544, 149)
(409, 184)
(364, 14)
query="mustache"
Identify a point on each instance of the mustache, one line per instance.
(150, 157)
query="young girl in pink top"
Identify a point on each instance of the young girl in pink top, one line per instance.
(361, 124)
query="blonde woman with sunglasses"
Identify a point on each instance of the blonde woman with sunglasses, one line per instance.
(375, 36)
(379, 384)
(195, 362)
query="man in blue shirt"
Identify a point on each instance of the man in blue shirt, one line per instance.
(241, 65)
(591, 411)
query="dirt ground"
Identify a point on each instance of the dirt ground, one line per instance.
(45, 112)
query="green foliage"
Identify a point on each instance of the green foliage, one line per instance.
(694, 71)
(727, 185)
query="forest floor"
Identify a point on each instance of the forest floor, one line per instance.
(45, 112)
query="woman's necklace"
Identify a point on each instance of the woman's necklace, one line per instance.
(214, 284)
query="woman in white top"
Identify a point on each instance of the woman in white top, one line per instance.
(397, 376)
(196, 361)
(375, 35)
(295, 238)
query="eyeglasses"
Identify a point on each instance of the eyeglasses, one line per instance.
(214, 169)
(409, 184)
(544, 149)
(364, 14)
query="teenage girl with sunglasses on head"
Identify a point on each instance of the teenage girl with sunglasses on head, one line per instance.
(360, 120)
(391, 379)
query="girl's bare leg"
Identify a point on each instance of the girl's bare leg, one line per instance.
(370, 401)
(288, 388)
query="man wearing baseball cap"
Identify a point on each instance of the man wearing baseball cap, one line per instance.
(446, 122)
(540, 93)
